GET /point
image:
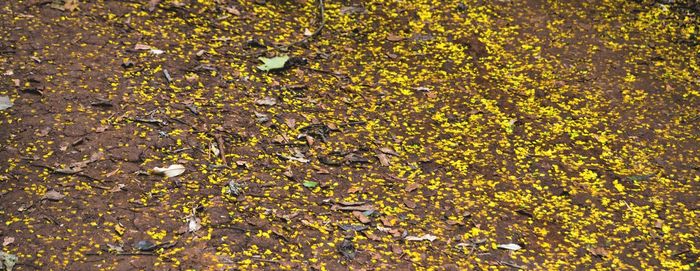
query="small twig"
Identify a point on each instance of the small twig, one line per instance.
(229, 227)
(353, 123)
(222, 148)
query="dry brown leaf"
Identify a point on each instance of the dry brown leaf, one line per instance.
(383, 159)
(332, 126)
(658, 224)
(363, 208)
(351, 203)
(288, 173)
(411, 187)
(70, 5)
(291, 123)
(409, 203)
(599, 251)
(394, 38)
(309, 140)
(396, 249)
(141, 46)
(7, 241)
(372, 236)
(362, 218)
(233, 10)
(387, 221)
(53, 195)
(354, 189)
(388, 150)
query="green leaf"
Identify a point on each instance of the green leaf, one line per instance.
(310, 184)
(273, 63)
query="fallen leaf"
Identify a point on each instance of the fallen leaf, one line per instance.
(372, 236)
(291, 123)
(409, 203)
(396, 249)
(509, 246)
(233, 10)
(70, 5)
(141, 46)
(268, 101)
(260, 117)
(365, 207)
(25, 207)
(360, 217)
(387, 221)
(288, 173)
(309, 140)
(53, 195)
(658, 224)
(194, 224)
(214, 150)
(349, 10)
(171, 171)
(353, 227)
(394, 38)
(354, 189)
(599, 251)
(308, 32)
(294, 158)
(274, 63)
(234, 188)
(347, 248)
(7, 241)
(388, 151)
(115, 248)
(242, 164)
(383, 159)
(145, 245)
(310, 184)
(424, 237)
(411, 187)
(5, 103)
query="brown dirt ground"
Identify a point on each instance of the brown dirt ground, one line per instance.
(567, 127)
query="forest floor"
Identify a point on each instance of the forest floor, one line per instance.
(399, 135)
